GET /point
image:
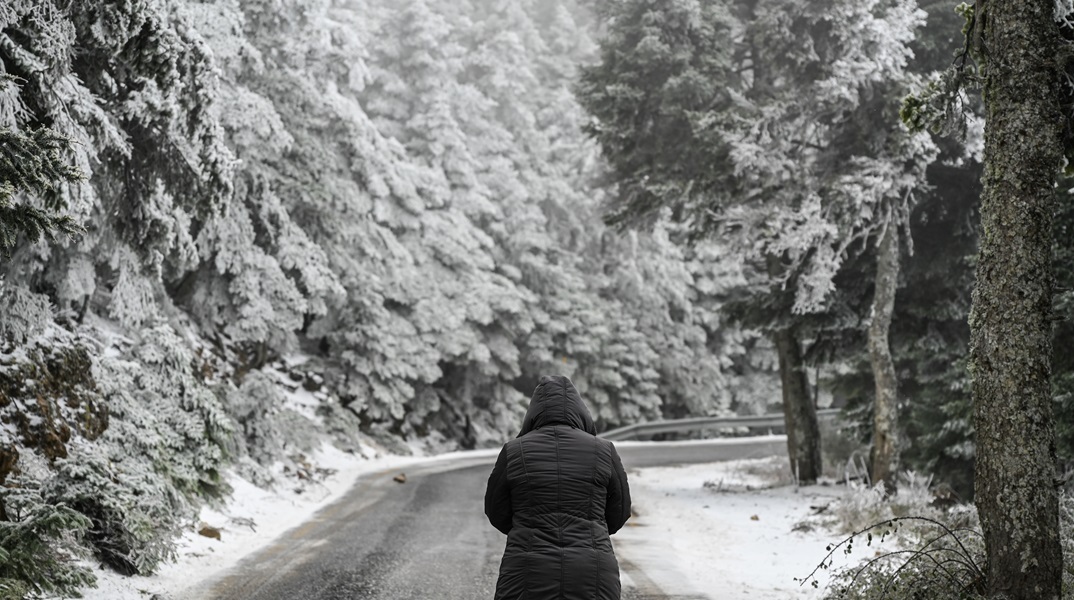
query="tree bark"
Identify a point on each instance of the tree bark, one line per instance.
(1010, 334)
(799, 414)
(885, 450)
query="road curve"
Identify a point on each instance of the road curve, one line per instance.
(426, 539)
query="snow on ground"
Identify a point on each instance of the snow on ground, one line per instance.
(252, 518)
(737, 530)
(723, 531)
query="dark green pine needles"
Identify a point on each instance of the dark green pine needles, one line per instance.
(33, 161)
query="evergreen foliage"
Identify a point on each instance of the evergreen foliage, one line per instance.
(39, 545)
(772, 126)
(127, 441)
(930, 335)
(718, 130)
(400, 194)
(132, 510)
(1063, 331)
(33, 162)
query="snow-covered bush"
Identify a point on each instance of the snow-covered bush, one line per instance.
(865, 505)
(129, 455)
(269, 428)
(160, 455)
(936, 559)
(918, 580)
(911, 558)
(122, 440)
(940, 559)
(39, 543)
(252, 405)
(938, 555)
(135, 513)
(163, 415)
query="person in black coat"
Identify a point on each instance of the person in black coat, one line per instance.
(558, 492)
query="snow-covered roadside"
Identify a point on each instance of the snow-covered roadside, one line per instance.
(694, 534)
(723, 531)
(252, 518)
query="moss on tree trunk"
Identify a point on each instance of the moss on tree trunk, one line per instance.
(1010, 331)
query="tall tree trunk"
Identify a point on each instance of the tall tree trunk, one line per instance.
(885, 455)
(1010, 335)
(799, 414)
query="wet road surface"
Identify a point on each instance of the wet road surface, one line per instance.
(426, 539)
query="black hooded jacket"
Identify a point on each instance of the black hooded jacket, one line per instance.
(558, 492)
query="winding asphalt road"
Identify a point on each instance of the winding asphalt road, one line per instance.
(426, 539)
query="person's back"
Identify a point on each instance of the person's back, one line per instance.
(558, 492)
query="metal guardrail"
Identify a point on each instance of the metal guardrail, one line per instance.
(651, 428)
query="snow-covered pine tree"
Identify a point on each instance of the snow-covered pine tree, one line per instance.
(446, 297)
(929, 332)
(133, 87)
(767, 161)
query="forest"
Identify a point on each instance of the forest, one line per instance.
(410, 210)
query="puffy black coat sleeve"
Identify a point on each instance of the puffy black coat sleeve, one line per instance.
(498, 495)
(617, 506)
